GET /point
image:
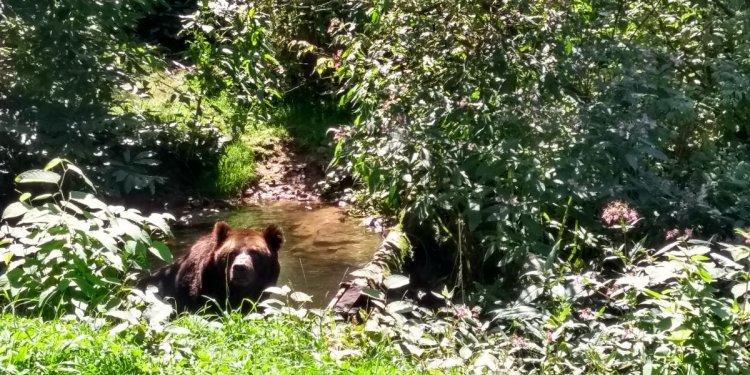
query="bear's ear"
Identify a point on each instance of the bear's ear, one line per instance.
(221, 231)
(274, 237)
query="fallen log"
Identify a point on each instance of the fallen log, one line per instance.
(388, 259)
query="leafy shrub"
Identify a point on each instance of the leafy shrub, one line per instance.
(131, 174)
(62, 64)
(681, 309)
(491, 125)
(68, 251)
(233, 60)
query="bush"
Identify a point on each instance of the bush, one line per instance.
(678, 310)
(493, 126)
(67, 251)
(233, 61)
(62, 64)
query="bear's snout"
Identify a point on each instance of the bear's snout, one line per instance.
(242, 271)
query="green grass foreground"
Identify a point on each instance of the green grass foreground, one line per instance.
(192, 345)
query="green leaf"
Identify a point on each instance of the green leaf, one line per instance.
(279, 291)
(399, 307)
(41, 197)
(161, 251)
(53, 163)
(270, 58)
(46, 294)
(88, 200)
(680, 335)
(24, 197)
(159, 222)
(79, 172)
(38, 175)
(373, 293)
(113, 260)
(134, 231)
(740, 289)
(15, 209)
(105, 239)
(395, 281)
(300, 297)
(72, 207)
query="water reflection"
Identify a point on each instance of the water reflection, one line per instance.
(322, 244)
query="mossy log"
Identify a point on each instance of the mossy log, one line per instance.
(388, 259)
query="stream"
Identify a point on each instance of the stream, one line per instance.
(322, 245)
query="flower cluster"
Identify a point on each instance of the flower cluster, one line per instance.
(675, 233)
(618, 211)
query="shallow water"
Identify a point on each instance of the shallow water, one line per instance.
(322, 244)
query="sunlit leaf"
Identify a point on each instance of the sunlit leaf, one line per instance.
(741, 289)
(15, 209)
(395, 281)
(53, 163)
(300, 297)
(680, 335)
(38, 175)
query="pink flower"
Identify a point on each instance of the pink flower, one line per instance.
(586, 314)
(618, 211)
(518, 341)
(550, 337)
(672, 234)
(463, 312)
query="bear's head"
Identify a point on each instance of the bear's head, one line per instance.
(248, 259)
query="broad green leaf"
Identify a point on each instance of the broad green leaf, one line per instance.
(395, 281)
(41, 197)
(53, 163)
(127, 227)
(38, 175)
(45, 295)
(279, 291)
(88, 200)
(104, 238)
(372, 293)
(161, 251)
(413, 349)
(79, 172)
(131, 316)
(72, 207)
(680, 335)
(740, 289)
(300, 297)
(399, 307)
(15, 209)
(159, 222)
(114, 260)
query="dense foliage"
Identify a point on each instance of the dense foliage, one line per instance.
(74, 76)
(61, 66)
(544, 150)
(494, 120)
(69, 252)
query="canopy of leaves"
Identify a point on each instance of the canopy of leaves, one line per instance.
(499, 118)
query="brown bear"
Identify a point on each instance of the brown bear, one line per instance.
(229, 265)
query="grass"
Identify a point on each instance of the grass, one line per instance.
(236, 167)
(281, 345)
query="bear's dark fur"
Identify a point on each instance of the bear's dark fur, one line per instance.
(228, 266)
